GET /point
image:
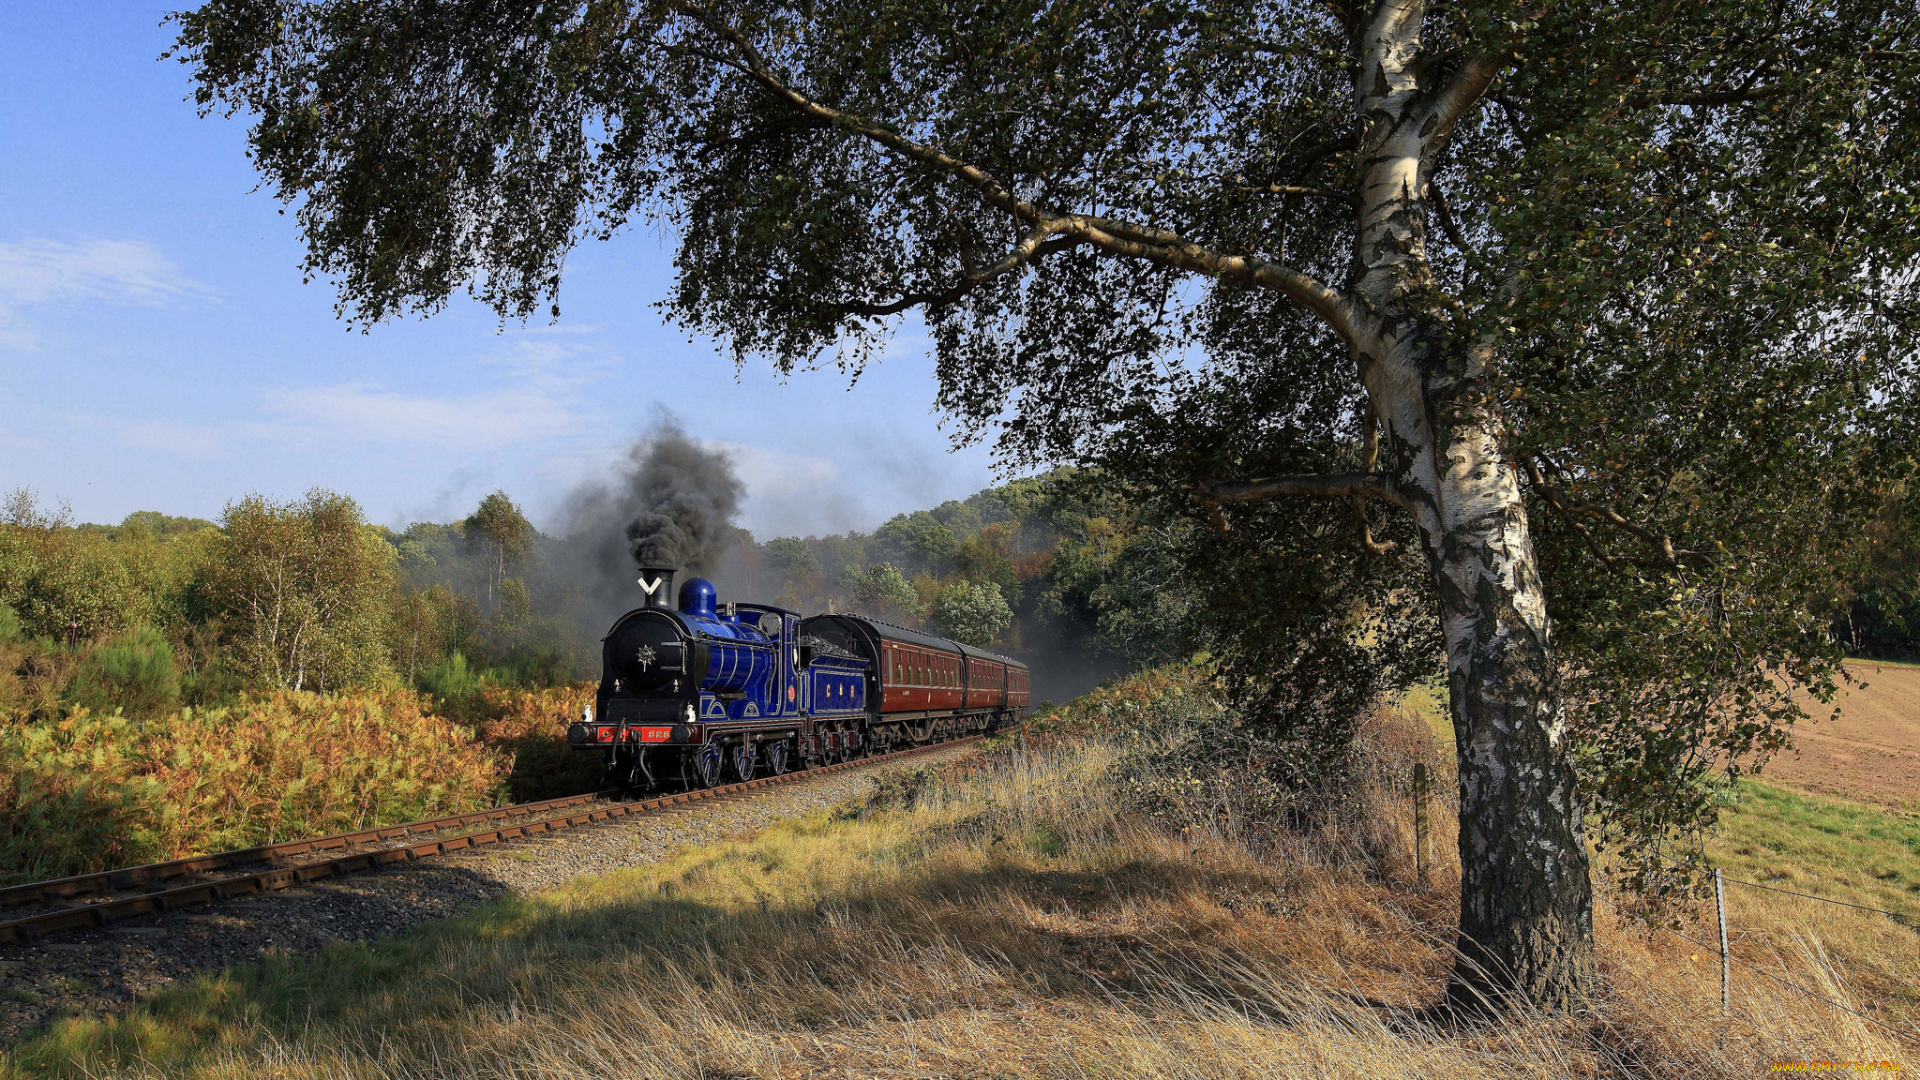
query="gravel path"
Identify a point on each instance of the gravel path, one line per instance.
(93, 973)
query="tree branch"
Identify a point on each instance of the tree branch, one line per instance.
(1312, 485)
(1452, 228)
(1463, 92)
(1347, 197)
(1370, 460)
(1117, 238)
(1514, 116)
(1662, 544)
(1169, 249)
(1710, 99)
(1032, 247)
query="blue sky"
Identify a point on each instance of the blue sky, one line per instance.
(158, 350)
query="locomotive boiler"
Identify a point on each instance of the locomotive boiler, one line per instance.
(709, 693)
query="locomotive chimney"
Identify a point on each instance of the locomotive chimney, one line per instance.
(657, 583)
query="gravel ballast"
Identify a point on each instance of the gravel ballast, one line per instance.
(98, 972)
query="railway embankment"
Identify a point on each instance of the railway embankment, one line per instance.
(1064, 903)
(100, 972)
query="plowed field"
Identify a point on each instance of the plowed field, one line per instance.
(1872, 753)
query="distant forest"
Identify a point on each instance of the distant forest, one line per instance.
(158, 612)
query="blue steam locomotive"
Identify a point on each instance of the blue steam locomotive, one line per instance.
(715, 692)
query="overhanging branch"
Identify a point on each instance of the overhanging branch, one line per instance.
(1452, 228)
(1347, 197)
(1032, 247)
(1711, 98)
(1311, 485)
(1113, 237)
(1462, 92)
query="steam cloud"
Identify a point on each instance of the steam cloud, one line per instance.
(671, 504)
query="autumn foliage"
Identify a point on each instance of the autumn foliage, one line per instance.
(89, 792)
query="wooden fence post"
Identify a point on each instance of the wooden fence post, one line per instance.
(1420, 858)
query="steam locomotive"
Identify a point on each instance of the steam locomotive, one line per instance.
(719, 693)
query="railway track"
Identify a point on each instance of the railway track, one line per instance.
(97, 901)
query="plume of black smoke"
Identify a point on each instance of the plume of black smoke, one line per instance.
(684, 498)
(672, 503)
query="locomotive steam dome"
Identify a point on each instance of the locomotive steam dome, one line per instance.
(697, 597)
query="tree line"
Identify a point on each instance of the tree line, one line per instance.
(305, 594)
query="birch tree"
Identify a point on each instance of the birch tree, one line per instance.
(1630, 284)
(300, 589)
(502, 533)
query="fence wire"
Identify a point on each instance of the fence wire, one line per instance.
(1902, 919)
(1897, 917)
(1815, 995)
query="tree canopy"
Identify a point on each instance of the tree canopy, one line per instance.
(1594, 322)
(973, 612)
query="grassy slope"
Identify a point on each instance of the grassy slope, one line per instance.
(1809, 843)
(1016, 920)
(1831, 848)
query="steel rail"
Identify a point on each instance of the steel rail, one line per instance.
(105, 914)
(130, 876)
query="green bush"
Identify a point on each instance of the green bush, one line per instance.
(214, 683)
(454, 678)
(133, 672)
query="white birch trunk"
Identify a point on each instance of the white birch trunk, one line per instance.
(1526, 907)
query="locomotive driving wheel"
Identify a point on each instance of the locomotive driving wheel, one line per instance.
(777, 757)
(702, 767)
(744, 762)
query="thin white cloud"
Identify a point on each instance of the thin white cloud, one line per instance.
(43, 273)
(791, 493)
(762, 469)
(371, 412)
(195, 442)
(546, 394)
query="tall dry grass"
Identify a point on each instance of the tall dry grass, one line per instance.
(1025, 915)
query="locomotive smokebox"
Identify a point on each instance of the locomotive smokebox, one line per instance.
(657, 583)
